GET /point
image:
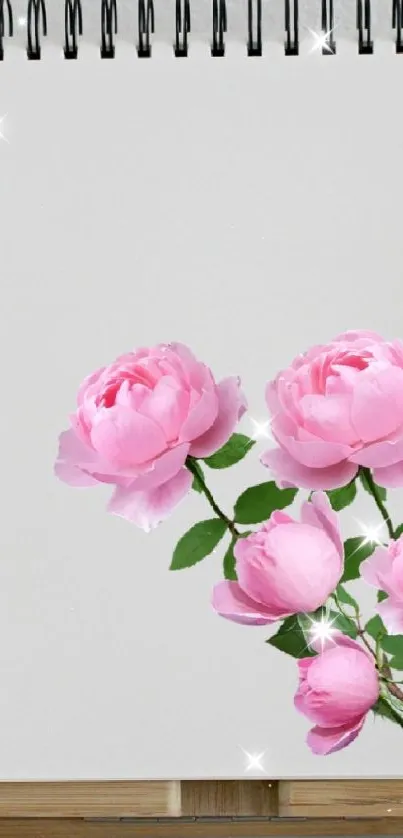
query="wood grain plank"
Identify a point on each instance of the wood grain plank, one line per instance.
(89, 799)
(341, 798)
(230, 798)
(68, 828)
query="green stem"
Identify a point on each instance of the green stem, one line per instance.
(190, 464)
(373, 489)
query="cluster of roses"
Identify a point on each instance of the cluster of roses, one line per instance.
(150, 422)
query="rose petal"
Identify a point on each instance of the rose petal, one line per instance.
(231, 406)
(318, 512)
(377, 403)
(289, 472)
(148, 508)
(323, 741)
(163, 468)
(377, 568)
(229, 601)
(391, 612)
(121, 435)
(390, 477)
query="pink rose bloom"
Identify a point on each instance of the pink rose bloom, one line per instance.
(284, 568)
(336, 690)
(136, 422)
(338, 407)
(384, 570)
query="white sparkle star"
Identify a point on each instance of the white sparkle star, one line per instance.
(2, 136)
(371, 533)
(254, 761)
(22, 21)
(322, 630)
(321, 40)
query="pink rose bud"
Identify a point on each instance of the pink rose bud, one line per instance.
(384, 570)
(284, 568)
(338, 407)
(136, 422)
(336, 690)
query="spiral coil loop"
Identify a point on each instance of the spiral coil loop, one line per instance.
(146, 22)
(365, 44)
(291, 46)
(36, 16)
(397, 23)
(7, 5)
(109, 28)
(329, 46)
(254, 45)
(182, 28)
(219, 28)
(73, 26)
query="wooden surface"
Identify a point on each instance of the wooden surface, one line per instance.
(90, 799)
(341, 798)
(67, 828)
(220, 798)
(200, 809)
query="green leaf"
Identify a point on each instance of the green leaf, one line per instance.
(375, 627)
(393, 644)
(396, 662)
(197, 543)
(398, 531)
(345, 625)
(291, 640)
(232, 452)
(395, 707)
(381, 492)
(355, 551)
(382, 709)
(343, 596)
(257, 503)
(381, 596)
(230, 562)
(197, 467)
(340, 498)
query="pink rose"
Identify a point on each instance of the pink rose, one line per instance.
(336, 690)
(338, 407)
(136, 422)
(285, 567)
(384, 570)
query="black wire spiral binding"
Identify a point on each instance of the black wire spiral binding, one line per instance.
(7, 4)
(397, 22)
(36, 12)
(291, 46)
(329, 48)
(73, 21)
(109, 28)
(73, 26)
(254, 45)
(182, 27)
(146, 27)
(219, 28)
(365, 44)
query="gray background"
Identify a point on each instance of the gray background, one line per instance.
(250, 209)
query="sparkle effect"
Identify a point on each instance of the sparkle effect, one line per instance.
(371, 534)
(321, 40)
(254, 761)
(22, 21)
(261, 429)
(322, 630)
(2, 135)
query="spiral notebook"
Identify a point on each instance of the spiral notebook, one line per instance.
(226, 176)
